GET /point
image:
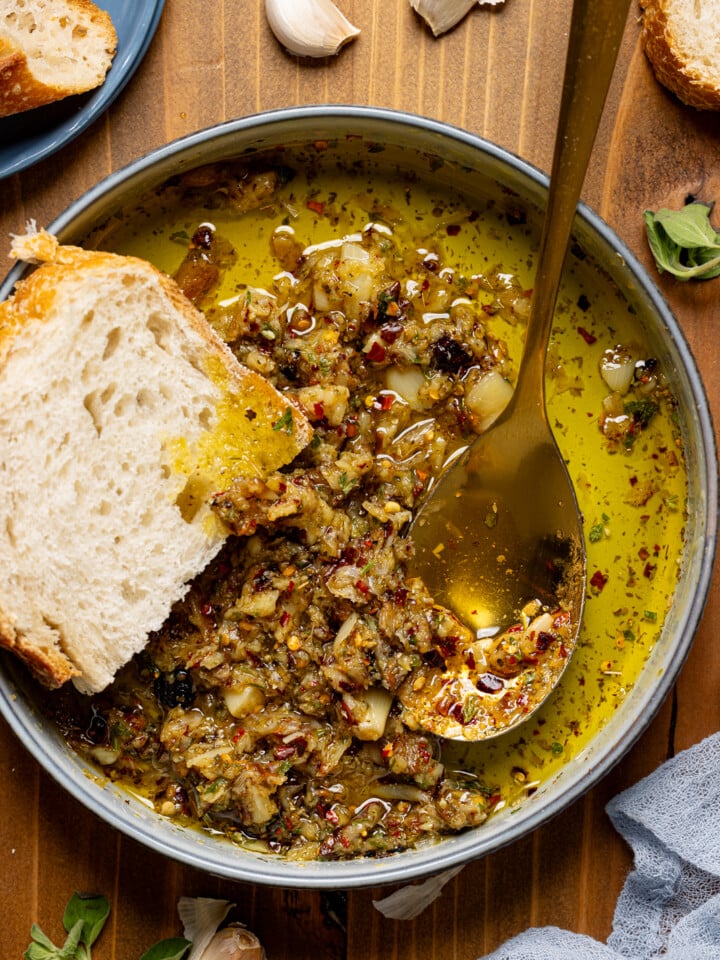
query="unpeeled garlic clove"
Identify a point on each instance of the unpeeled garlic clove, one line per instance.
(309, 28)
(234, 942)
(442, 15)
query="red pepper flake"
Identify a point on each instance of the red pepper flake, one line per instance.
(351, 430)
(319, 410)
(207, 609)
(586, 335)
(447, 646)
(284, 618)
(386, 401)
(238, 735)
(377, 352)
(598, 580)
(317, 206)
(362, 587)
(452, 229)
(649, 570)
(290, 587)
(344, 841)
(544, 641)
(643, 553)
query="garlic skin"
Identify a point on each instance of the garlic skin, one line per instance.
(309, 28)
(442, 15)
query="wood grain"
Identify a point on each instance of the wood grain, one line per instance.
(498, 74)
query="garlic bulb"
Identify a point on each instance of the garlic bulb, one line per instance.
(442, 15)
(309, 28)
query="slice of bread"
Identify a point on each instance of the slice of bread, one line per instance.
(120, 410)
(681, 40)
(50, 49)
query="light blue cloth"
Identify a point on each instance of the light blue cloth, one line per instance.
(669, 908)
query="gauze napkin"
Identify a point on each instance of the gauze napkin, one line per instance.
(669, 908)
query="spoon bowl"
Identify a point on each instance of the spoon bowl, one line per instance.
(499, 540)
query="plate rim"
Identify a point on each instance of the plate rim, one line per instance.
(121, 71)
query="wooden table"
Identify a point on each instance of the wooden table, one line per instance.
(498, 74)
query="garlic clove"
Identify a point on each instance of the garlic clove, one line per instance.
(234, 942)
(442, 15)
(309, 28)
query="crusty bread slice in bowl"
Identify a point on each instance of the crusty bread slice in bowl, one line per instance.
(681, 40)
(51, 49)
(121, 411)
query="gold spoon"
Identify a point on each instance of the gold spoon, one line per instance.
(499, 541)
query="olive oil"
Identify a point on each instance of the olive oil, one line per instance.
(633, 499)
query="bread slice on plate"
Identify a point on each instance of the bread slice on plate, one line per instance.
(50, 49)
(682, 42)
(121, 411)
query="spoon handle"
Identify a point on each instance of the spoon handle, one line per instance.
(596, 32)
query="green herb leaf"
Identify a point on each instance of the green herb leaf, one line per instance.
(71, 948)
(688, 227)
(285, 422)
(172, 949)
(92, 911)
(683, 242)
(42, 947)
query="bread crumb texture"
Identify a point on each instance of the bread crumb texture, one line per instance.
(120, 412)
(50, 49)
(682, 42)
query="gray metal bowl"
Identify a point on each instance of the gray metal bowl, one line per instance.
(497, 170)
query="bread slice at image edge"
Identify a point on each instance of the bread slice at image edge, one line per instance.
(52, 49)
(680, 40)
(120, 412)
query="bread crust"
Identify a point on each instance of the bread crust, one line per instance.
(31, 304)
(669, 62)
(20, 88)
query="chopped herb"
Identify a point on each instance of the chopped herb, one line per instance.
(470, 708)
(597, 530)
(642, 411)
(346, 483)
(285, 422)
(650, 615)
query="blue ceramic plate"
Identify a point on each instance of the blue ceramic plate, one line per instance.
(26, 138)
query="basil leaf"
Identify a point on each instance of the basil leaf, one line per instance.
(172, 949)
(91, 911)
(688, 227)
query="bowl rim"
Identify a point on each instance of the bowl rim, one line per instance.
(411, 864)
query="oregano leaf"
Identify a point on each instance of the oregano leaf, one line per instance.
(690, 226)
(683, 242)
(91, 910)
(173, 948)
